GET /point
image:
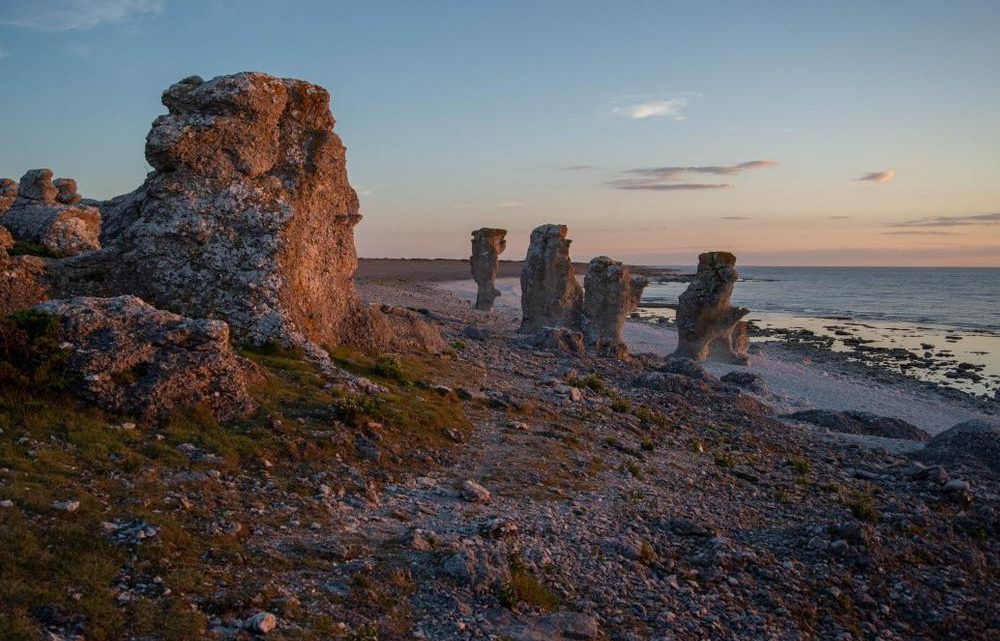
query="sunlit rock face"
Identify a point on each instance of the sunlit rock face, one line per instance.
(706, 322)
(550, 293)
(611, 294)
(248, 215)
(487, 245)
(49, 214)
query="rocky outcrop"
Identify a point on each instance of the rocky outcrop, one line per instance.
(132, 358)
(611, 293)
(22, 278)
(975, 443)
(559, 339)
(550, 293)
(248, 217)
(50, 214)
(8, 192)
(487, 245)
(705, 319)
(856, 422)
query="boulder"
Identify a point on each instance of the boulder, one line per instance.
(23, 282)
(706, 322)
(855, 422)
(975, 442)
(550, 293)
(8, 192)
(611, 293)
(746, 380)
(6, 241)
(51, 216)
(487, 245)
(132, 358)
(559, 339)
(247, 217)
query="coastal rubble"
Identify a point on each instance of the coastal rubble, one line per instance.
(706, 322)
(487, 245)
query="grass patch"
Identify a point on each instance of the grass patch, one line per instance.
(862, 506)
(22, 248)
(524, 587)
(591, 381)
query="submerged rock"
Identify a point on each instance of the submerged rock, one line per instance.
(550, 293)
(49, 215)
(611, 293)
(130, 357)
(487, 245)
(706, 322)
(855, 422)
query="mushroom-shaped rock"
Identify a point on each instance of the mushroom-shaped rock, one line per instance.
(611, 293)
(705, 319)
(130, 357)
(487, 245)
(550, 293)
(51, 216)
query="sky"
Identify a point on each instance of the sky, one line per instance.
(790, 133)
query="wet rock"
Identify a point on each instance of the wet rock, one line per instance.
(855, 422)
(975, 442)
(487, 245)
(706, 322)
(611, 293)
(550, 293)
(130, 357)
(559, 339)
(50, 216)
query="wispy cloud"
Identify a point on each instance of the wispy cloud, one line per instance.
(878, 176)
(663, 178)
(641, 107)
(510, 204)
(576, 168)
(951, 221)
(839, 217)
(915, 232)
(74, 15)
(735, 218)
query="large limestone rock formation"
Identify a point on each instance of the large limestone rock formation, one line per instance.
(248, 217)
(8, 192)
(550, 293)
(21, 278)
(132, 358)
(705, 319)
(50, 214)
(611, 293)
(487, 245)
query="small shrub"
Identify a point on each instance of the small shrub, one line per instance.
(724, 460)
(591, 381)
(647, 444)
(862, 506)
(524, 587)
(459, 344)
(800, 464)
(621, 405)
(634, 469)
(389, 366)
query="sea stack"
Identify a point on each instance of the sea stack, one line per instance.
(487, 245)
(706, 322)
(611, 293)
(550, 293)
(49, 214)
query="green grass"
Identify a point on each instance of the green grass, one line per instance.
(524, 587)
(862, 506)
(591, 381)
(22, 248)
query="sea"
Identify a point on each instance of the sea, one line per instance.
(946, 315)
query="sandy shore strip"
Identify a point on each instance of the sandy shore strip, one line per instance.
(796, 382)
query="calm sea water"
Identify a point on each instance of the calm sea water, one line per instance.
(966, 298)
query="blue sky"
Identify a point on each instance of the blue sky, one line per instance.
(655, 130)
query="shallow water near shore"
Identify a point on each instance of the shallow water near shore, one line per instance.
(940, 325)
